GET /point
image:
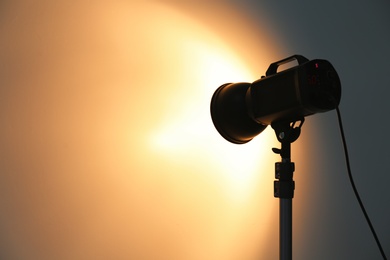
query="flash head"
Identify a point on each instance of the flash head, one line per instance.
(240, 111)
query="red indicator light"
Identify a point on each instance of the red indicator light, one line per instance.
(316, 65)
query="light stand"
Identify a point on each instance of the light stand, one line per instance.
(241, 111)
(286, 133)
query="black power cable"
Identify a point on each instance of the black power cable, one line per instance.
(354, 187)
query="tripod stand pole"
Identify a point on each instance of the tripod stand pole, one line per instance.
(285, 225)
(284, 186)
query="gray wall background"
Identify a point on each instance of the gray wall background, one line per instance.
(36, 180)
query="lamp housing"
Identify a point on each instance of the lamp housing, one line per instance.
(240, 111)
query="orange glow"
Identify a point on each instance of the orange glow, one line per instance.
(111, 151)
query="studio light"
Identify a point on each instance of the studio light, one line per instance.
(240, 111)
